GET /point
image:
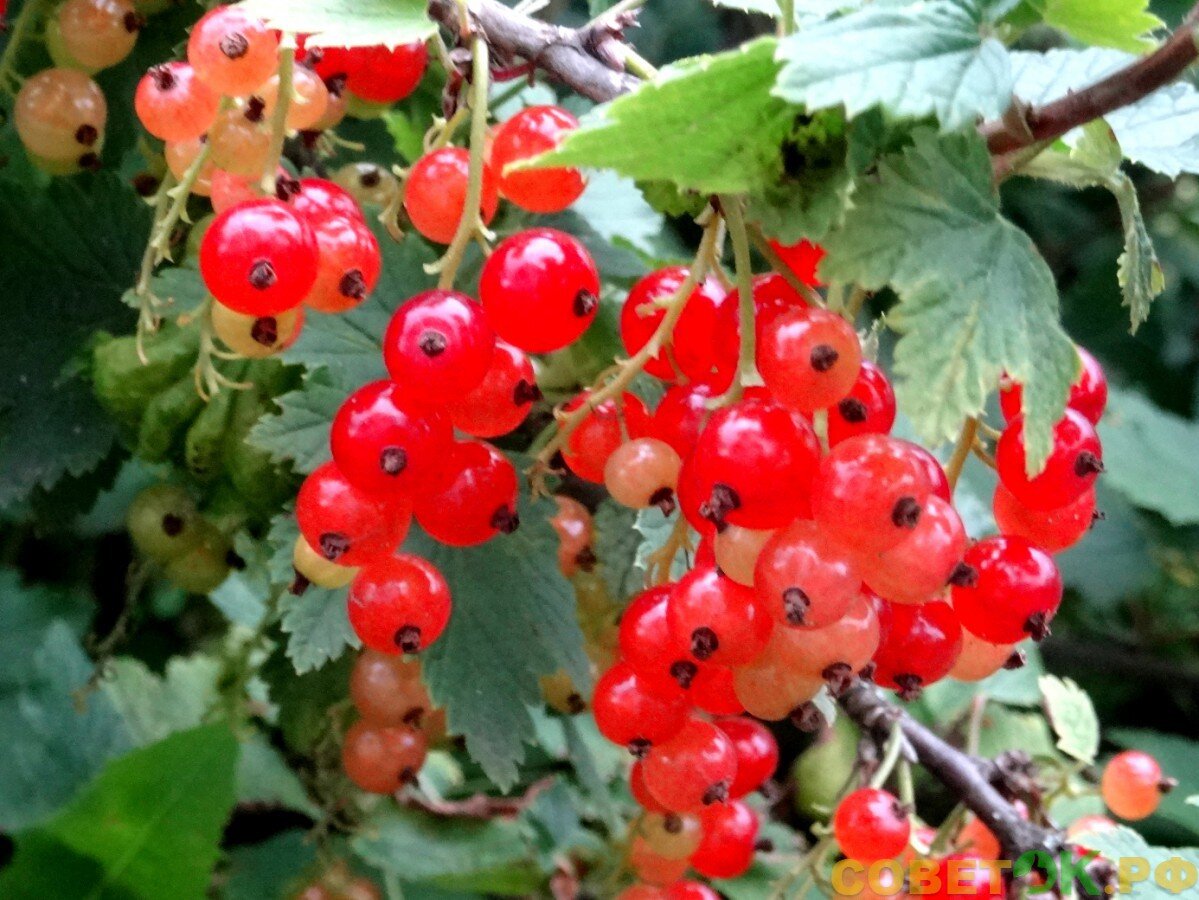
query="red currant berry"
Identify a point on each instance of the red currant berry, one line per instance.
(1132, 784)
(59, 115)
(672, 835)
(681, 415)
(649, 646)
(804, 579)
(383, 74)
(870, 492)
(713, 691)
(502, 400)
(318, 199)
(349, 265)
(934, 471)
(753, 466)
(259, 258)
(603, 430)
(1088, 394)
(232, 52)
(529, 133)
(771, 689)
(837, 652)
(919, 566)
(1006, 590)
(630, 714)
(694, 769)
(540, 289)
(773, 294)
(868, 408)
(737, 551)
(435, 193)
(919, 646)
(802, 259)
(381, 759)
(1052, 530)
(704, 342)
(478, 501)
(966, 877)
(643, 472)
(690, 890)
(438, 346)
(173, 104)
(870, 824)
(344, 524)
(399, 604)
(809, 358)
(1072, 467)
(652, 867)
(575, 529)
(980, 659)
(92, 34)
(719, 620)
(385, 688)
(385, 444)
(726, 850)
(640, 791)
(757, 753)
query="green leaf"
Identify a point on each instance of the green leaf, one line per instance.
(947, 699)
(1122, 24)
(153, 817)
(765, 7)
(264, 777)
(348, 23)
(927, 58)
(1116, 559)
(616, 544)
(654, 529)
(266, 871)
(299, 433)
(1157, 869)
(513, 621)
(153, 707)
(977, 298)
(724, 129)
(1005, 728)
(1177, 757)
(1150, 456)
(304, 699)
(1072, 716)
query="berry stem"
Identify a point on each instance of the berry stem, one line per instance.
(471, 224)
(747, 371)
(660, 561)
(776, 262)
(287, 62)
(22, 26)
(961, 450)
(891, 754)
(786, 17)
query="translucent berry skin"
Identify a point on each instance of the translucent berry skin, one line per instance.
(704, 342)
(240, 142)
(836, 651)
(572, 523)
(1088, 394)
(719, 620)
(670, 835)
(97, 34)
(690, 890)
(531, 132)
(540, 288)
(770, 689)
(802, 259)
(600, 433)
(319, 199)
(310, 98)
(809, 358)
(919, 566)
(980, 659)
(438, 346)
(630, 714)
(381, 759)
(654, 868)
(348, 267)
(680, 415)
(753, 466)
(804, 579)
(757, 753)
(478, 500)
(870, 491)
(737, 551)
(713, 691)
(502, 400)
(60, 114)
(643, 472)
(399, 604)
(344, 524)
(1072, 467)
(933, 470)
(313, 567)
(870, 825)
(919, 646)
(256, 337)
(384, 75)
(179, 157)
(1052, 530)
(640, 791)
(385, 444)
(232, 52)
(868, 408)
(694, 769)
(387, 689)
(227, 189)
(773, 294)
(1011, 590)
(435, 193)
(727, 847)
(259, 258)
(649, 646)
(173, 104)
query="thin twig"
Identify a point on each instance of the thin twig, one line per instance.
(283, 99)
(746, 366)
(961, 450)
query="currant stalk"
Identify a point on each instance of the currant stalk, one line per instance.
(961, 450)
(776, 263)
(287, 62)
(746, 368)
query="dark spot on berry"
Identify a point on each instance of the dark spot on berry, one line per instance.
(807, 717)
(964, 575)
(286, 187)
(1097, 516)
(90, 162)
(336, 84)
(255, 108)
(905, 513)
(164, 78)
(171, 524)
(432, 343)
(704, 643)
(87, 135)
(525, 393)
(333, 545)
(265, 331)
(853, 410)
(575, 704)
(663, 498)
(407, 638)
(717, 793)
(585, 303)
(299, 584)
(866, 673)
(1166, 785)
(407, 776)
(234, 561)
(1087, 464)
(1037, 626)
(505, 520)
(145, 184)
(838, 677)
(393, 460)
(557, 462)
(795, 605)
(133, 22)
(352, 285)
(1016, 661)
(639, 748)
(413, 716)
(234, 45)
(262, 275)
(908, 687)
(764, 845)
(823, 357)
(722, 501)
(370, 178)
(672, 823)
(586, 559)
(683, 671)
